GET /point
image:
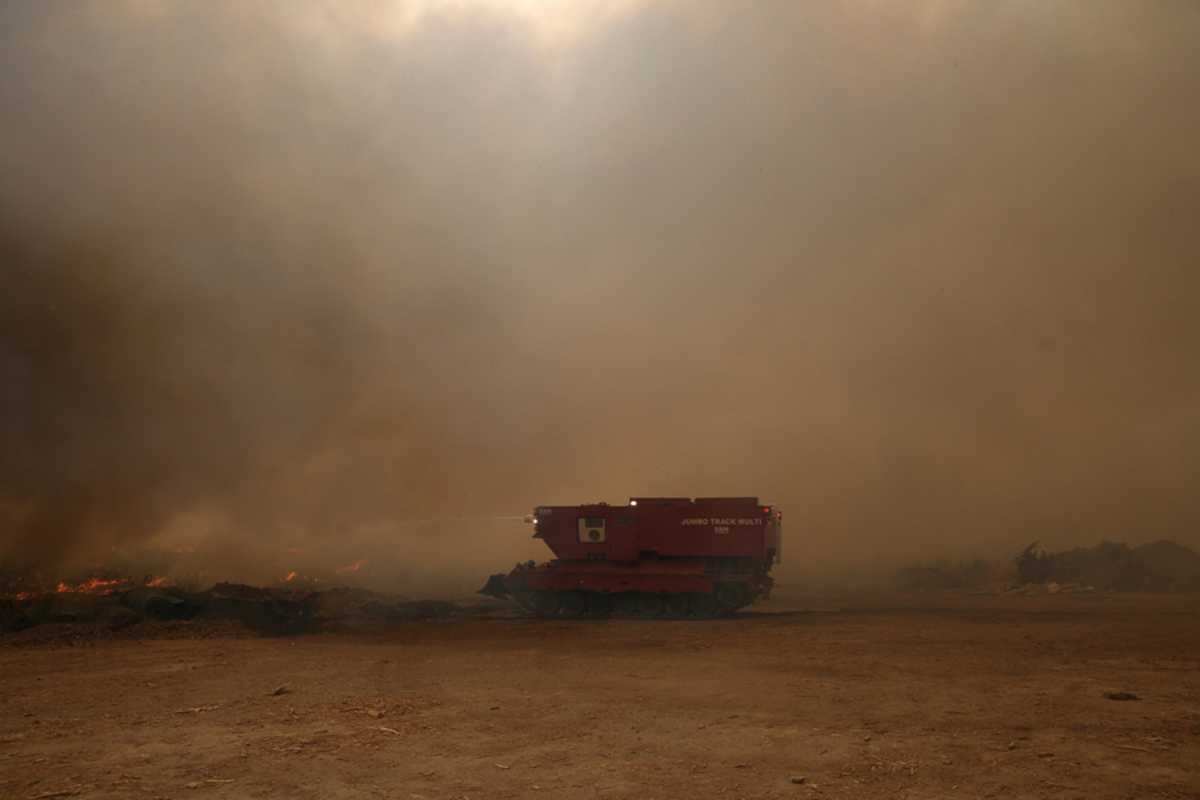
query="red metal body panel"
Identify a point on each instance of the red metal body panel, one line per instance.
(664, 528)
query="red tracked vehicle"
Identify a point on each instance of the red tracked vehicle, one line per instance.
(656, 556)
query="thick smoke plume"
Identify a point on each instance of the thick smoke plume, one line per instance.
(319, 275)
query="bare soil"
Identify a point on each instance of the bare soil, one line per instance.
(889, 696)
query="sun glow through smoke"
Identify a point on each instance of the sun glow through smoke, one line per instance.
(556, 24)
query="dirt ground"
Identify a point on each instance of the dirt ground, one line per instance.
(817, 697)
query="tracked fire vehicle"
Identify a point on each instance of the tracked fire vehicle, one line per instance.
(655, 557)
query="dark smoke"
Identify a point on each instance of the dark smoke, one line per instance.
(284, 274)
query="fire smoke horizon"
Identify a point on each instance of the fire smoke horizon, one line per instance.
(310, 275)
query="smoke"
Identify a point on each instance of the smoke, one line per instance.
(319, 275)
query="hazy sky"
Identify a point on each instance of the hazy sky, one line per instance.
(925, 274)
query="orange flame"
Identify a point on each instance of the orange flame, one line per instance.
(95, 585)
(355, 567)
(291, 576)
(158, 582)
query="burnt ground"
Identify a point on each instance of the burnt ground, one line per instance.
(892, 696)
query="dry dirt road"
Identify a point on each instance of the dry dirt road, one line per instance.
(933, 697)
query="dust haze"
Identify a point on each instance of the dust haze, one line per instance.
(291, 284)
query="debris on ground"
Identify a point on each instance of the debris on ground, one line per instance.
(266, 611)
(1161, 566)
(71, 792)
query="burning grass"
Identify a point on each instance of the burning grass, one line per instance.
(28, 587)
